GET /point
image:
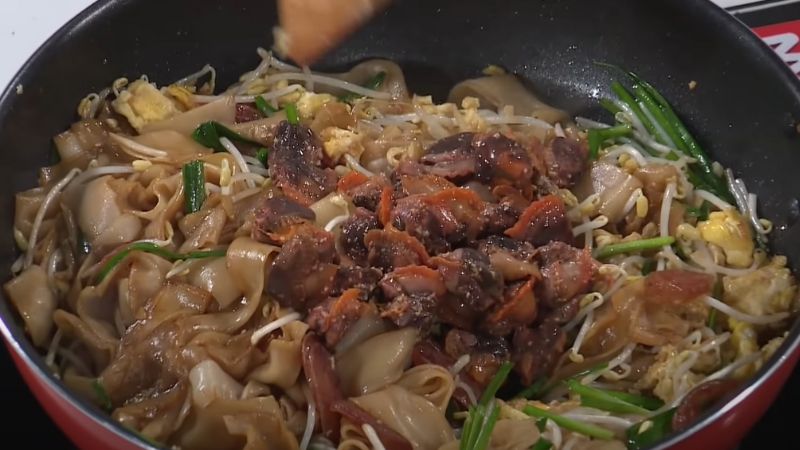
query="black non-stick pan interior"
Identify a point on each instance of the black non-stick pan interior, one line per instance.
(744, 109)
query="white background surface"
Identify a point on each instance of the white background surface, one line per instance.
(26, 24)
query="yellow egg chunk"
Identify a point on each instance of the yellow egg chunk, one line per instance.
(339, 142)
(309, 103)
(728, 230)
(142, 104)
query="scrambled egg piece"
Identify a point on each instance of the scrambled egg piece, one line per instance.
(292, 97)
(470, 120)
(183, 95)
(768, 290)
(412, 151)
(744, 341)
(728, 230)
(141, 103)
(660, 376)
(309, 103)
(338, 142)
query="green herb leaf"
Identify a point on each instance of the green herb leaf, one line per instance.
(533, 391)
(584, 428)
(633, 246)
(678, 132)
(485, 434)
(208, 134)
(291, 114)
(610, 106)
(495, 383)
(194, 186)
(597, 136)
(149, 247)
(262, 155)
(101, 395)
(701, 212)
(627, 98)
(542, 444)
(264, 108)
(373, 83)
(644, 434)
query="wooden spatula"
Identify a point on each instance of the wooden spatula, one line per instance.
(309, 28)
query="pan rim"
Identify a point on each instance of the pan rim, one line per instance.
(18, 342)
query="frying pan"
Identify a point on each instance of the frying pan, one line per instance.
(744, 110)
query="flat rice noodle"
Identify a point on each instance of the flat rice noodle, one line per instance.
(168, 195)
(655, 178)
(35, 302)
(361, 372)
(261, 130)
(202, 229)
(366, 327)
(150, 355)
(514, 434)
(101, 218)
(157, 417)
(234, 354)
(410, 415)
(209, 382)
(100, 348)
(629, 317)
(247, 262)
(147, 275)
(614, 187)
(222, 111)
(179, 146)
(284, 357)
(26, 205)
(213, 276)
(357, 416)
(333, 114)
(236, 424)
(394, 82)
(433, 382)
(96, 306)
(506, 90)
(329, 207)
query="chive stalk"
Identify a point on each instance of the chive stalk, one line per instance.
(291, 114)
(264, 108)
(542, 444)
(533, 391)
(627, 98)
(604, 400)
(102, 396)
(207, 134)
(646, 433)
(482, 418)
(149, 247)
(194, 186)
(583, 428)
(373, 83)
(633, 246)
(262, 155)
(599, 135)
